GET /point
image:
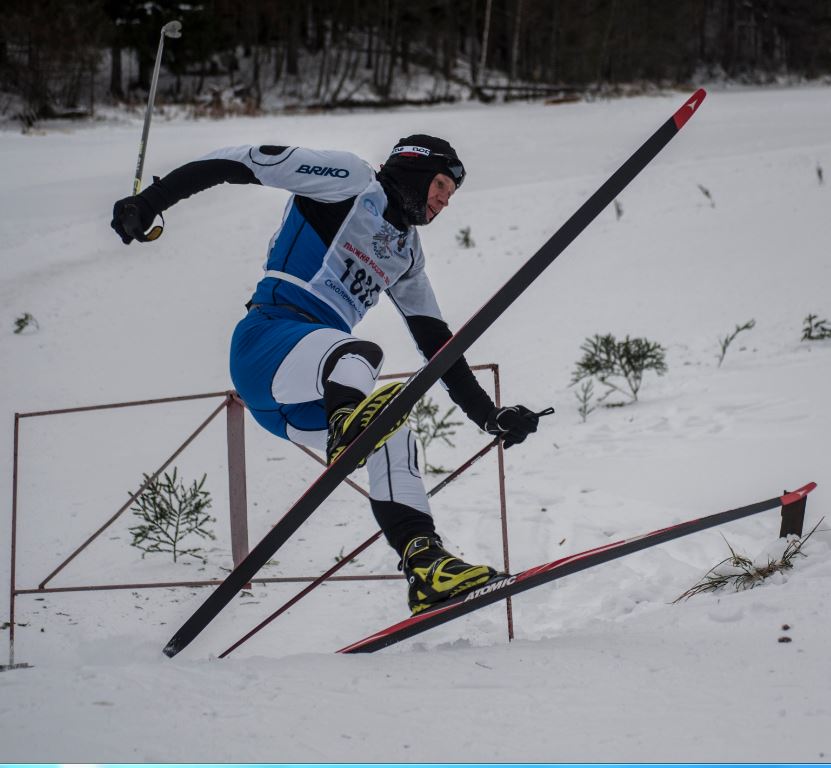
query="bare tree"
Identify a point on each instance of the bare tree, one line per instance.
(483, 60)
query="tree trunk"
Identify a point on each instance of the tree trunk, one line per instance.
(322, 75)
(473, 55)
(729, 36)
(393, 47)
(292, 41)
(92, 69)
(515, 41)
(144, 70)
(203, 71)
(483, 61)
(405, 53)
(278, 63)
(116, 85)
(34, 90)
(256, 86)
(604, 65)
(369, 42)
(349, 69)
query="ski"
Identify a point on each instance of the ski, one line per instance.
(421, 382)
(504, 586)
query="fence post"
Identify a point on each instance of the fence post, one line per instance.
(503, 507)
(237, 496)
(13, 572)
(793, 516)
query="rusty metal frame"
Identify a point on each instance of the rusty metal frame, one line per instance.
(237, 505)
(228, 397)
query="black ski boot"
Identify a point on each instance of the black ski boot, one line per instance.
(346, 423)
(435, 575)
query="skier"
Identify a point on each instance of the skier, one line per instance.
(348, 233)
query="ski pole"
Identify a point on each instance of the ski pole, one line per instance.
(172, 29)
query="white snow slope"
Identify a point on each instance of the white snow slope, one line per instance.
(604, 667)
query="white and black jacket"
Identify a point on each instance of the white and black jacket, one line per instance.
(340, 244)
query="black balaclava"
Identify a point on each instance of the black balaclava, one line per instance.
(411, 167)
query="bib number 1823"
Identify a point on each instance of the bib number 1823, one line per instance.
(360, 284)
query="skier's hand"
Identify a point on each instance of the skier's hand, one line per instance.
(513, 424)
(132, 217)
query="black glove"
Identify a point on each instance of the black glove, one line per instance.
(512, 424)
(132, 217)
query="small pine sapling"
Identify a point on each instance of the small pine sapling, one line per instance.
(427, 425)
(619, 365)
(25, 321)
(464, 239)
(584, 397)
(170, 512)
(814, 329)
(741, 572)
(728, 340)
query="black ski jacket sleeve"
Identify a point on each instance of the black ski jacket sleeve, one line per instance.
(431, 334)
(195, 177)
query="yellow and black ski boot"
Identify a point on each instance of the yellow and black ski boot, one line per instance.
(346, 423)
(434, 575)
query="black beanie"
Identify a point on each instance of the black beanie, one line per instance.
(411, 167)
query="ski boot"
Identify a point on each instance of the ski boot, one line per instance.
(346, 423)
(434, 575)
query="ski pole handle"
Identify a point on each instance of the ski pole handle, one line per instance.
(171, 29)
(131, 220)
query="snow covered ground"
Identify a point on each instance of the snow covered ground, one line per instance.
(604, 667)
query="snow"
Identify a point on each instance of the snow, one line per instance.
(604, 667)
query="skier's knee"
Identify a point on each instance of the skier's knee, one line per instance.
(366, 350)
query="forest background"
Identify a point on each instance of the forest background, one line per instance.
(75, 58)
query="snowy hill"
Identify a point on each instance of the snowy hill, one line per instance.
(604, 667)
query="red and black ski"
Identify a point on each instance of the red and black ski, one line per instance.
(437, 366)
(504, 586)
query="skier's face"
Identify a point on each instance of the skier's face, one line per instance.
(441, 190)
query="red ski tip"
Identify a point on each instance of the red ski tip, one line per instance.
(797, 495)
(689, 108)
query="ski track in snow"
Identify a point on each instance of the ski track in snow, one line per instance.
(604, 667)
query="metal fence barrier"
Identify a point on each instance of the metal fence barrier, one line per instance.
(237, 506)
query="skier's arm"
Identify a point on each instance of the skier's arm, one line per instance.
(327, 176)
(414, 298)
(194, 177)
(511, 424)
(430, 335)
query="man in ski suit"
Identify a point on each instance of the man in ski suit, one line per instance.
(348, 234)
